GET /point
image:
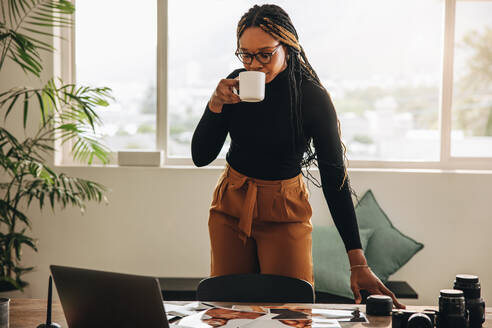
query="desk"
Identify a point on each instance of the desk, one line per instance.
(28, 313)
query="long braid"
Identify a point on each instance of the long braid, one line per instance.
(275, 21)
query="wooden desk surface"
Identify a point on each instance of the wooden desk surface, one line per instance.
(29, 313)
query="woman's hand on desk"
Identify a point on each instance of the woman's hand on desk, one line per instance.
(362, 277)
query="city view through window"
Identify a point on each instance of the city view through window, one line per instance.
(472, 97)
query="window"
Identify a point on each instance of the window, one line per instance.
(472, 84)
(387, 64)
(116, 44)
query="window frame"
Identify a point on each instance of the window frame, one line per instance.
(64, 66)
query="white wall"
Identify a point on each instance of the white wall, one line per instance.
(156, 221)
(156, 224)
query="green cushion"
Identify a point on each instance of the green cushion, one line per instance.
(330, 261)
(388, 249)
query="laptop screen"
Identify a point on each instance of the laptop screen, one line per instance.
(92, 298)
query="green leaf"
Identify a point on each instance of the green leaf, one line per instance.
(13, 211)
(24, 269)
(41, 199)
(45, 24)
(52, 199)
(24, 66)
(26, 107)
(41, 106)
(11, 281)
(69, 127)
(11, 106)
(27, 52)
(39, 13)
(46, 46)
(48, 92)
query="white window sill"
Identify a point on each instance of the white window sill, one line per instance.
(220, 166)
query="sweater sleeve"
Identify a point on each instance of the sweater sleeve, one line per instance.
(324, 131)
(209, 137)
(210, 133)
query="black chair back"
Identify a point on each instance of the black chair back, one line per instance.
(255, 288)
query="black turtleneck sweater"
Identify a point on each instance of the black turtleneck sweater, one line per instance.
(261, 144)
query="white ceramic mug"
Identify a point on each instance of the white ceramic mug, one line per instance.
(252, 86)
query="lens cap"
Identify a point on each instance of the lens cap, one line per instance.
(469, 284)
(451, 293)
(380, 305)
(466, 278)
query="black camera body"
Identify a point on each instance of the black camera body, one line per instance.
(405, 318)
(426, 319)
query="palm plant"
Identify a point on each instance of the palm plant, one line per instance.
(68, 113)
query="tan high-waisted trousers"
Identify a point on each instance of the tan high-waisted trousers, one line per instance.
(260, 226)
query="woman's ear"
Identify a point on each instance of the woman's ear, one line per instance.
(287, 56)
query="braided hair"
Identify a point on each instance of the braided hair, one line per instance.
(275, 21)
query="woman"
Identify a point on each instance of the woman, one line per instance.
(260, 214)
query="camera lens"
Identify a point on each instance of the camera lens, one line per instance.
(475, 305)
(468, 284)
(419, 320)
(452, 310)
(452, 302)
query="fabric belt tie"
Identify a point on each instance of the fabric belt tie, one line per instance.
(246, 215)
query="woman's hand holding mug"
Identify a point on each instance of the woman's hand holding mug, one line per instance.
(251, 86)
(224, 94)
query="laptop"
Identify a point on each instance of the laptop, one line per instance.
(93, 298)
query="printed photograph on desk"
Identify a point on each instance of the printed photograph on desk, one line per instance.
(349, 315)
(299, 312)
(265, 322)
(220, 317)
(282, 311)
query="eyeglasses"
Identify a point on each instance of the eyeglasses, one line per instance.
(262, 57)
